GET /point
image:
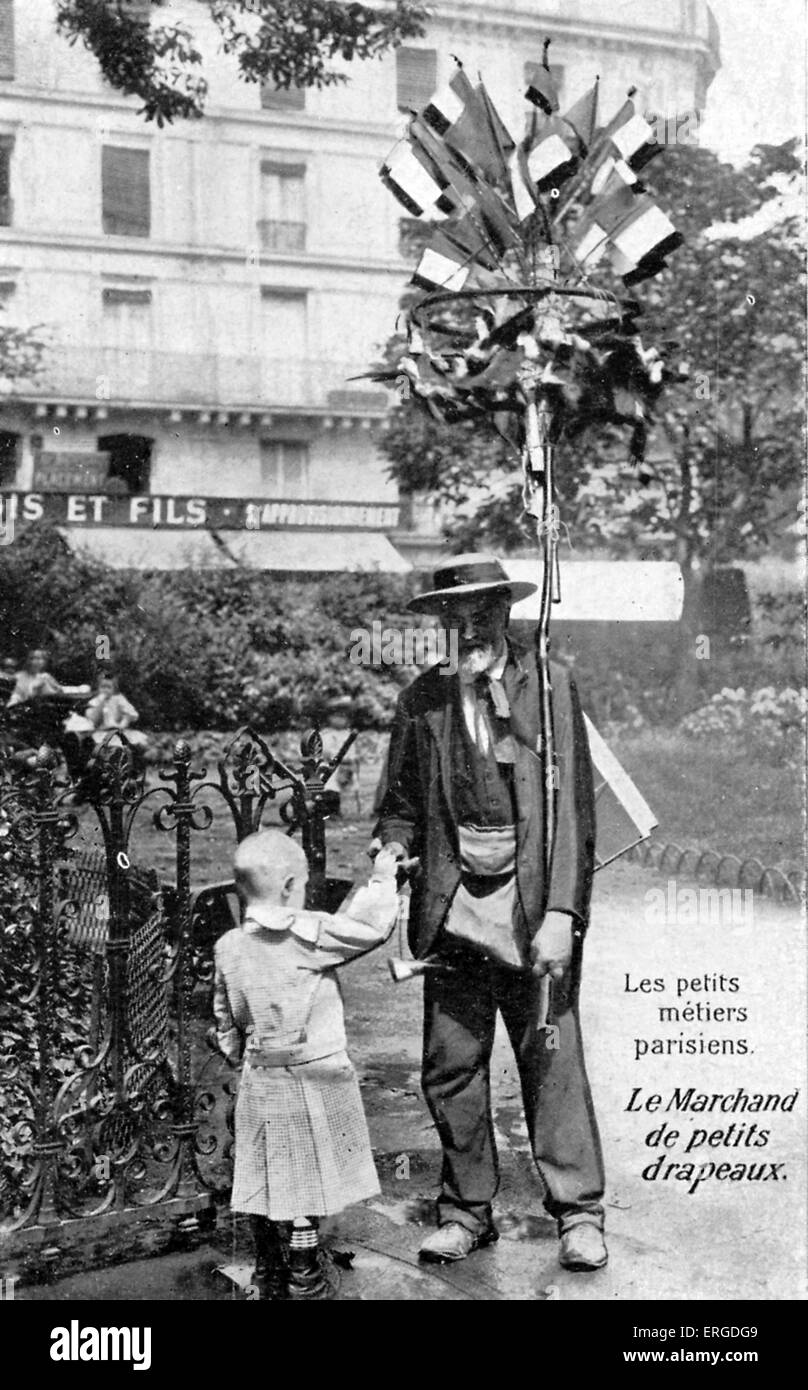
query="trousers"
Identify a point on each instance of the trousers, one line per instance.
(460, 1011)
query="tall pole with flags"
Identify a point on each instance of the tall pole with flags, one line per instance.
(513, 323)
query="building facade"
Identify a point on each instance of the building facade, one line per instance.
(210, 291)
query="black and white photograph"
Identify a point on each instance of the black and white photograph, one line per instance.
(403, 663)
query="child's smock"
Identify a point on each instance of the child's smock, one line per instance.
(302, 1144)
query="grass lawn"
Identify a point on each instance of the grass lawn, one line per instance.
(717, 796)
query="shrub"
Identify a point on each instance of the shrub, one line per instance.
(771, 722)
(201, 649)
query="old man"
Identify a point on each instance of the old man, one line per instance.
(467, 769)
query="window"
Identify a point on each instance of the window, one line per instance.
(282, 220)
(282, 98)
(416, 77)
(6, 151)
(127, 318)
(129, 460)
(125, 196)
(284, 324)
(6, 38)
(284, 468)
(9, 456)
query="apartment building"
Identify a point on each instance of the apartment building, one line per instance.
(210, 292)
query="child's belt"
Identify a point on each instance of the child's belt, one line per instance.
(292, 1056)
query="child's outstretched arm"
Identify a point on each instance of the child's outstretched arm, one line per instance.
(364, 924)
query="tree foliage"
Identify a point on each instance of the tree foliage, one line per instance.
(290, 43)
(21, 354)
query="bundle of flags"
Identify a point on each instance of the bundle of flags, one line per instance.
(458, 166)
(598, 373)
(488, 202)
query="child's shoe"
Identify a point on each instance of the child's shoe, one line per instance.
(309, 1273)
(270, 1260)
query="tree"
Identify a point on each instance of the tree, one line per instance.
(725, 458)
(287, 42)
(21, 352)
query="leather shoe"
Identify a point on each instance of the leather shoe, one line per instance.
(454, 1242)
(583, 1247)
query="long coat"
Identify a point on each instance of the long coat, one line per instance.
(417, 808)
(302, 1145)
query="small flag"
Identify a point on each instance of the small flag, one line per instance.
(471, 238)
(458, 115)
(501, 136)
(590, 238)
(542, 91)
(583, 116)
(610, 175)
(588, 243)
(441, 266)
(521, 188)
(443, 109)
(450, 168)
(634, 139)
(555, 157)
(643, 240)
(623, 816)
(412, 183)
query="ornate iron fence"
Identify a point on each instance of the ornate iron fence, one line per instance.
(112, 1105)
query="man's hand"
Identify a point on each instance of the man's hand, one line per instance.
(551, 950)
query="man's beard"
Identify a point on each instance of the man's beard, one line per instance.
(475, 661)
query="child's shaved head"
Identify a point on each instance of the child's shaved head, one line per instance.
(264, 864)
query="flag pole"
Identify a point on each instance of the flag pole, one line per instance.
(539, 501)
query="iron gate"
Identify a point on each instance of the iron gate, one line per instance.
(114, 1110)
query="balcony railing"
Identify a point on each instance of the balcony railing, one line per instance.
(282, 236)
(106, 375)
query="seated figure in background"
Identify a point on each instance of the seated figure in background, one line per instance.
(109, 709)
(34, 680)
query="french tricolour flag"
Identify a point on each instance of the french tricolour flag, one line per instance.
(441, 267)
(642, 241)
(590, 239)
(555, 156)
(634, 139)
(414, 185)
(610, 175)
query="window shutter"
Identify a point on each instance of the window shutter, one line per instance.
(285, 468)
(416, 77)
(6, 38)
(125, 191)
(6, 151)
(282, 98)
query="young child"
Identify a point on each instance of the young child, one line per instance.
(302, 1147)
(110, 709)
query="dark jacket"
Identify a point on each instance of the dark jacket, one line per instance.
(417, 808)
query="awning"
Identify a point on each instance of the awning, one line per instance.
(131, 548)
(319, 552)
(625, 591)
